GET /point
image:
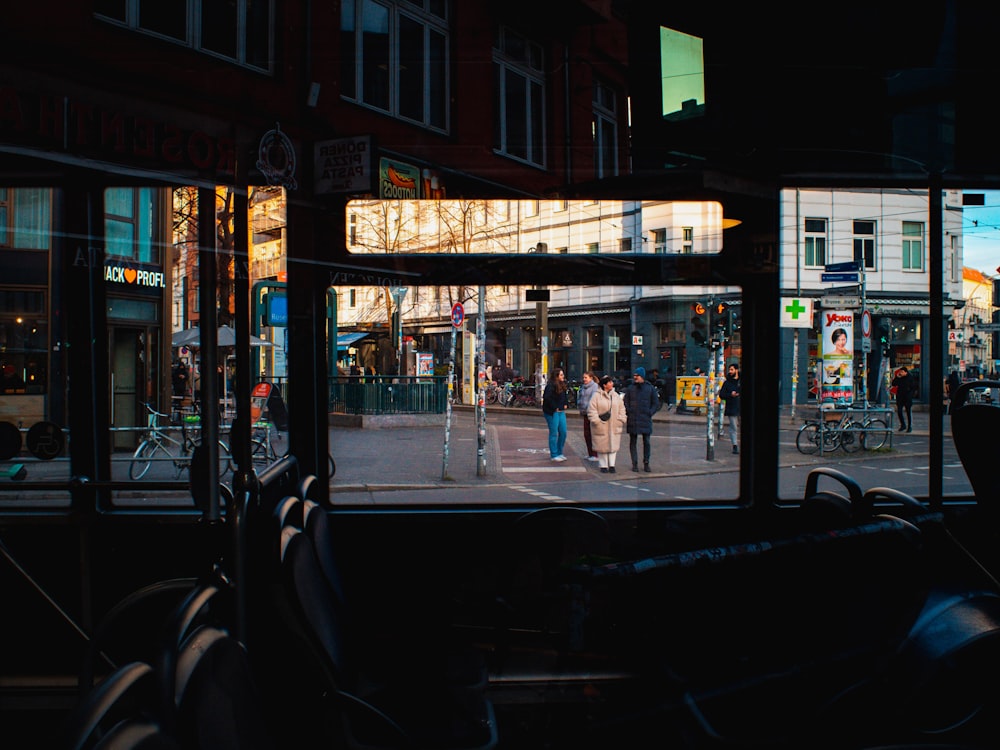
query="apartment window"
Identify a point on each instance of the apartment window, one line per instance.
(562, 250)
(864, 243)
(605, 131)
(130, 221)
(688, 244)
(814, 242)
(659, 240)
(25, 218)
(395, 58)
(520, 86)
(352, 298)
(353, 230)
(593, 248)
(625, 245)
(913, 246)
(239, 30)
(558, 206)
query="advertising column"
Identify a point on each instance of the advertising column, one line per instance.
(837, 335)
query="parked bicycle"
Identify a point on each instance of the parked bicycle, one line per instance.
(160, 446)
(843, 431)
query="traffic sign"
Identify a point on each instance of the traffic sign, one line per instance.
(457, 314)
(866, 324)
(987, 327)
(842, 277)
(838, 267)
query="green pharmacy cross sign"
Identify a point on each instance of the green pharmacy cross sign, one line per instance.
(795, 309)
(796, 312)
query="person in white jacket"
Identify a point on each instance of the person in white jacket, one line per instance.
(607, 418)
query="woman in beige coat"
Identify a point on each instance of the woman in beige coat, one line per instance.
(606, 434)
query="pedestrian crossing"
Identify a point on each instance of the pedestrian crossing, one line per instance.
(520, 458)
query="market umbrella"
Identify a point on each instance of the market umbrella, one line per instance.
(191, 337)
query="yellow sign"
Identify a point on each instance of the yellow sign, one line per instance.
(691, 390)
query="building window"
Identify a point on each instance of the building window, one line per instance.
(659, 240)
(520, 86)
(558, 206)
(815, 242)
(605, 131)
(688, 245)
(239, 30)
(24, 341)
(864, 243)
(395, 58)
(352, 232)
(625, 245)
(593, 248)
(562, 250)
(913, 246)
(130, 221)
(352, 297)
(672, 333)
(25, 218)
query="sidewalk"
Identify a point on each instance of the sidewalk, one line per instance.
(400, 457)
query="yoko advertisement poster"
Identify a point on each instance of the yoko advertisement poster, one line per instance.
(837, 365)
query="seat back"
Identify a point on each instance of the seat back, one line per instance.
(208, 693)
(119, 714)
(975, 429)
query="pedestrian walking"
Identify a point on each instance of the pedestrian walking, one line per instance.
(729, 392)
(904, 387)
(587, 391)
(607, 417)
(554, 405)
(641, 403)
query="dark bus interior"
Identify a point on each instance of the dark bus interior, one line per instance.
(258, 614)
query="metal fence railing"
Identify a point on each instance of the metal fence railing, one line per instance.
(384, 394)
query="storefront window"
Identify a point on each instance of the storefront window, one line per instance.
(24, 334)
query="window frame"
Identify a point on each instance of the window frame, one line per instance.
(434, 98)
(605, 117)
(863, 242)
(192, 34)
(506, 64)
(811, 238)
(908, 242)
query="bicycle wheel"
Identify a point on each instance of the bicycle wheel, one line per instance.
(491, 395)
(807, 441)
(261, 452)
(143, 458)
(850, 436)
(876, 434)
(225, 461)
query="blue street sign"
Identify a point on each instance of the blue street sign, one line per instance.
(839, 267)
(842, 277)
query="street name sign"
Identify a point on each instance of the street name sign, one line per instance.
(838, 276)
(841, 301)
(851, 265)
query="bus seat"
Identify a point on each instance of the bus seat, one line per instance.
(208, 692)
(410, 710)
(119, 714)
(975, 430)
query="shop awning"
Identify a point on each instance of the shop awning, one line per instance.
(344, 340)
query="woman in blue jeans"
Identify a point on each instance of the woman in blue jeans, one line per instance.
(554, 404)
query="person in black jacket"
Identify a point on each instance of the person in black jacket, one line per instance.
(904, 386)
(641, 403)
(730, 393)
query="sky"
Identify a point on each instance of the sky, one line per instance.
(981, 235)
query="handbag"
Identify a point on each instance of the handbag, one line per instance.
(605, 416)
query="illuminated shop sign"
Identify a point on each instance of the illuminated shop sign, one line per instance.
(139, 277)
